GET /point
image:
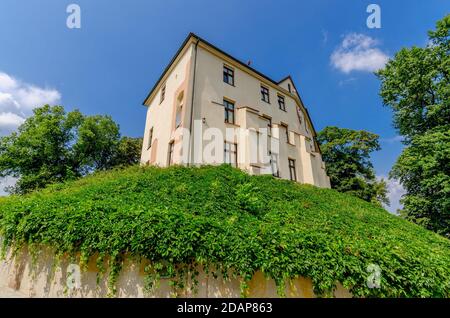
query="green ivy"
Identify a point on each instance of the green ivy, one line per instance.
(177, 219)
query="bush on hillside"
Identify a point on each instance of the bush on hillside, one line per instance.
(222, 218)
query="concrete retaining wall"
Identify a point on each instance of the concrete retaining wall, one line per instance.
(46, 277)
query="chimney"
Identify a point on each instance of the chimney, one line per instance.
(249, 62)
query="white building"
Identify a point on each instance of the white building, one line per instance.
(204, 91)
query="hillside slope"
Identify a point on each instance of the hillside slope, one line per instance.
(223, 217)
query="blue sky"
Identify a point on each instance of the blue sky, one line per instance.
(109, 65)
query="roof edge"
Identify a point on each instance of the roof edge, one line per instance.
(186, 40)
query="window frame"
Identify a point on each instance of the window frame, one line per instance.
(312, 146)
(230, 152)
(178, 113)
(170, 153)
(162, 93)
(292, 168)
(228, 111)
(283, 99)
(150, 139)
(286, 127)
(265, 92)
(228, 72)
(269, 125)
(273, 155)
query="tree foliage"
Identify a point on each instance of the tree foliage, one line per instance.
(129, 151)
(54, 146)
(415, 84)
(346, 154)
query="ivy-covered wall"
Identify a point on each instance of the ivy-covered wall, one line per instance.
(43, 275)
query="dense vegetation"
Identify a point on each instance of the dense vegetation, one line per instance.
(415, 84)
(54, 146)
(346, 153)
(224, 218)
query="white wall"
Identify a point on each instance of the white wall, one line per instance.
(161, 116)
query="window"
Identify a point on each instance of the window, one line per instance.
(171, 146)
(299, 115)
(179, 110)
(281, 103)
(289, 88)
(230, 154)
(229, 111)
(178, 116)
(292, 173)
(286, 128)
(311, 145)
(265, 94)
(228, 75)
(163, 93)
(274, 164)
(269, 126)
(150, 137)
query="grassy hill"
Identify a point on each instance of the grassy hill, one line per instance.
(221, 216)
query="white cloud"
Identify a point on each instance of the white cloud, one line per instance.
(18, 99)
(392, 140)
(7, 82)
(358, 52)
(10, 120)
(395, 193)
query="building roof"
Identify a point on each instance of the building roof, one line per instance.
(245, 65)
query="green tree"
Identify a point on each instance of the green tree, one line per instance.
(415, 84)
(37, 153)
(54, 146)
(97, 143)
(128, 152)
(346, 154)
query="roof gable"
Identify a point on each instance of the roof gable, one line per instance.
(288, 84)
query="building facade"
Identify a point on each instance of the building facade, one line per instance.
(210, 108)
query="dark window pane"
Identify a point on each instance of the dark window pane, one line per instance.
(228, 75)
(229, 111)
(281, 102)
(150, 138)
(274, 164)
(230, 154)
(292, 172)
(265, 94)
(171, 146)
(163, 93)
